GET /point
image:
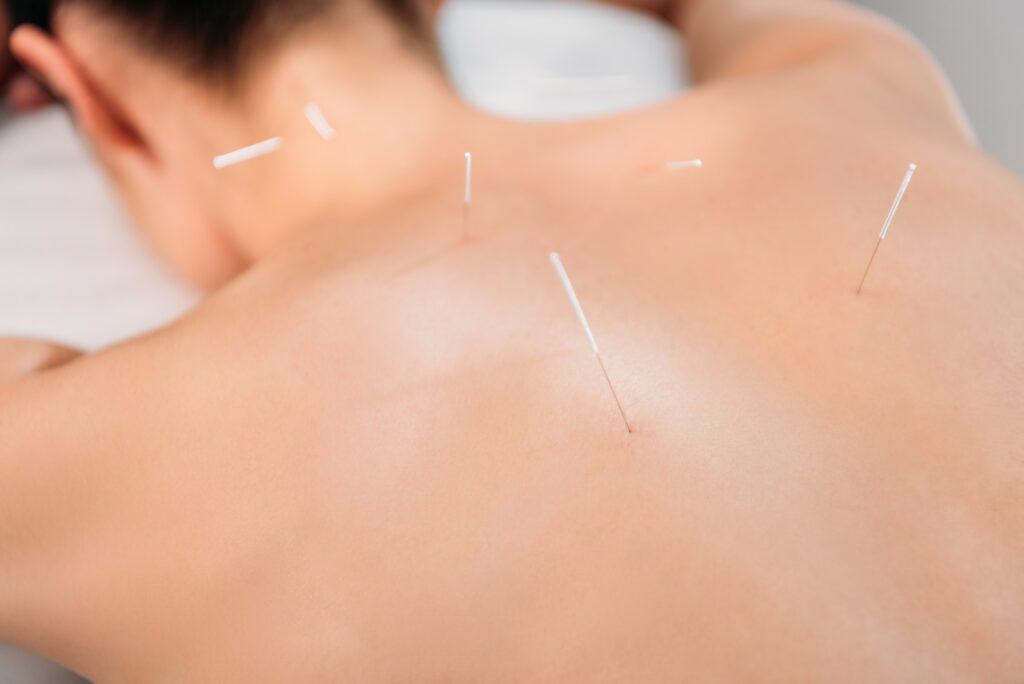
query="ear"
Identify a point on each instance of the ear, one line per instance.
(163, 207)
(50, 61)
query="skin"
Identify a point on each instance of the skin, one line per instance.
(385, 452)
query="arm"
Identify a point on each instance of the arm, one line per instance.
(742, 37)
(21, 363)
(728, 39)
(60, 415)
(93, 453)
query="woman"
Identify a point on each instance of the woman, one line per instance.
(381, 450)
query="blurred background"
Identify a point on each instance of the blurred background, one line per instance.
(978, 42)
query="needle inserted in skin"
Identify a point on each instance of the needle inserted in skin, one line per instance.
(247, 153)
(888, 223)
(556, 261)
(680, 165)
(468, 197)
(318, 121)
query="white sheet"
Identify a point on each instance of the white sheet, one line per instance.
(71, 270)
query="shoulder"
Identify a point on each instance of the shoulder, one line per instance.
(826, 57)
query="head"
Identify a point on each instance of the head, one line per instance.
(160, 87)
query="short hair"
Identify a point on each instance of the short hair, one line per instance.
(215, 38)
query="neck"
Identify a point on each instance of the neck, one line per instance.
(400, 131)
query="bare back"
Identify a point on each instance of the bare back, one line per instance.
(404, 463)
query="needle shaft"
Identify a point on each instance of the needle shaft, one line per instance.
(570, 291)
(615, 395)
(888, 222)
(247, 153)
(867, 270)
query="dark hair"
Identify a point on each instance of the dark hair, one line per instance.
(214, 37)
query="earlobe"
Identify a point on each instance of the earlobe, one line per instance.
(44, 56)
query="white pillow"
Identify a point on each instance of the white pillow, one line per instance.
(551, 59)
